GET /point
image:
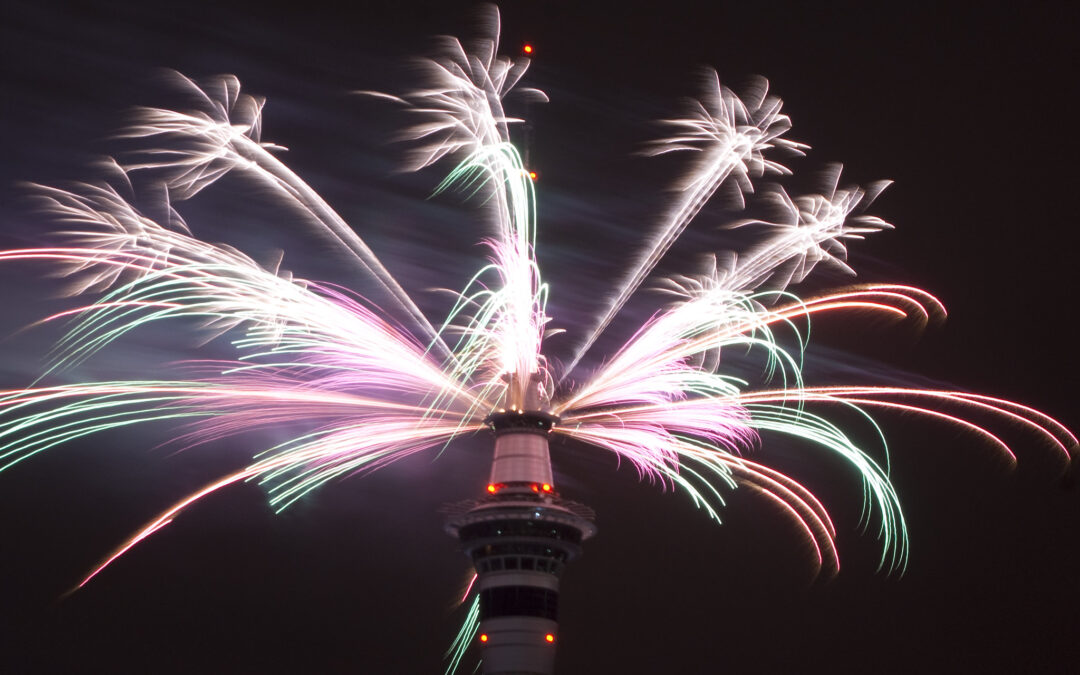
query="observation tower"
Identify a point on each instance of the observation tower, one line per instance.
(520, 536)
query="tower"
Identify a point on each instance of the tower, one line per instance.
(520, 536)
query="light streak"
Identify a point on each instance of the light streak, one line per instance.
(465, 637)
(732, 137)
(468, 589)
(370, 384)
(223, 136)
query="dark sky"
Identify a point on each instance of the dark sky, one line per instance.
(966, 109)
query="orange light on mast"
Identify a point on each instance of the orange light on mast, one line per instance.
(483, 637)
(546, 487)
(492, 488)
(532, 175)
(549, 637)
(527, 48)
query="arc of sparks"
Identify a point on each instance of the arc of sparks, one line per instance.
(370, 390)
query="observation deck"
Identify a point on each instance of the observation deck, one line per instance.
(519, 538)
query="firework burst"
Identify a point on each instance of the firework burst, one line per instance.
(376, 382)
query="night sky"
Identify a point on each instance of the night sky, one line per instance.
(967, 110)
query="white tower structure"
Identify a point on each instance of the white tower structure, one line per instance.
(520, 536)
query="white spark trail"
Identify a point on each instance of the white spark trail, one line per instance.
(732, 137)
(224, 136)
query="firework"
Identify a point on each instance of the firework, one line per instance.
(373, 382)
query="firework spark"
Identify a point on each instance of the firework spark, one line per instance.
(372, 382)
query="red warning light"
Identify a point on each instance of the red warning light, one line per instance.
(535, 487)
(484, 638)
(545, 487)
(492, 488)
(549, 637)
(527, 48)
(532, 175)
